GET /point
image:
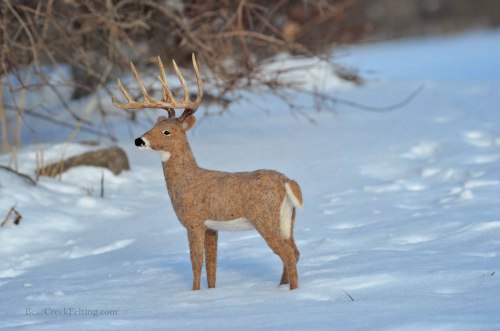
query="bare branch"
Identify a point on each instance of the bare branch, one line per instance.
(8, 215)
(25, 177)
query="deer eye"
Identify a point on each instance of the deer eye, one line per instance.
(167, 133)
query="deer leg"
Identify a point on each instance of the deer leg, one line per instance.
(211, 256)
(196, 238)
(280, 248)
(290, 242)
(284, 274)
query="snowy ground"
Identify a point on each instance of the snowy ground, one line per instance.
(401, 214)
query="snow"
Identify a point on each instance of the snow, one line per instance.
(400, 228)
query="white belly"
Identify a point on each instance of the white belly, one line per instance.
(239, 224)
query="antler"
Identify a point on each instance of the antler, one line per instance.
(167, 101)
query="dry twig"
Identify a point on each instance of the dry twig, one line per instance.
(17, 216)
(25, 177)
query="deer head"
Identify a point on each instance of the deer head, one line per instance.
(168, 135)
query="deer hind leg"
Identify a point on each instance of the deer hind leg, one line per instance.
(196, 238)
(284, 276)
(211, 256)
(278, 245)
(290, 242)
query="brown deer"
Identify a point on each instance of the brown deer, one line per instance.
(208, 201)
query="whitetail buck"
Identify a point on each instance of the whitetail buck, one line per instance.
(208, 201)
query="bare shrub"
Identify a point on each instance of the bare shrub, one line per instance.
(96, 39)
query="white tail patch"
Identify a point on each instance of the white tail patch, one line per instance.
(286, 211)
(239, 224)
(292, 197)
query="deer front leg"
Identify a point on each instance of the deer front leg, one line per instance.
(211, 256)
(196, 239)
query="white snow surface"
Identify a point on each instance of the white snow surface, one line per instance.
(400, 228)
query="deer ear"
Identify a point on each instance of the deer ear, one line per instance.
(188, 122)
(161, 119)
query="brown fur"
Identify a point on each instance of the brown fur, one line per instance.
(199, 194)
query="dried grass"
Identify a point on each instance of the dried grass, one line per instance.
(96, 39)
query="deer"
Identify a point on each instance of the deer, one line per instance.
(208, 201)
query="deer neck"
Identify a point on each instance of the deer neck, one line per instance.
(180, 165)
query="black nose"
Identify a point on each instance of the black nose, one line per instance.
(139, 142)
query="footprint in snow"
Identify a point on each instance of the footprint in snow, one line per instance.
(464, 192)
(78, 252)
(481, 139)
(395, 187)
(457, 194)
(422, 151)
(487, 226)
(485, 159)
(10, 273)
(413, 239)
(442, 175)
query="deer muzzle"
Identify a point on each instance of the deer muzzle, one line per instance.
(139, 142)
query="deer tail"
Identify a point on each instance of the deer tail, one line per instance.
(294, 193)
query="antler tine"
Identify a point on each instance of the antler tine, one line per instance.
(193, 106)
(140, 83)
(125, 94)
(166, 93)
(123, 90)
(183, 83)
(199, 96)
(168, 101)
